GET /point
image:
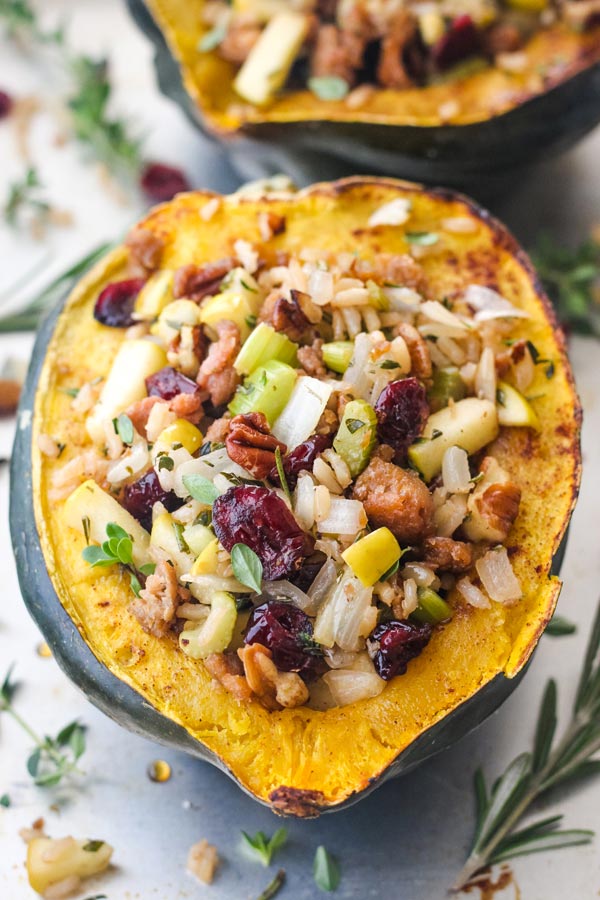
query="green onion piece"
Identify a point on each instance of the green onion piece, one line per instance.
(432, 608)
(266, 390)
(337, 355)
(263, 345)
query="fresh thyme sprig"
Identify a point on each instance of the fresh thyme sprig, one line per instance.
(117, 549)
(28, 318)
(572, 279)
(53, 757)
(24, 196)
(108, 138)
(530, 776)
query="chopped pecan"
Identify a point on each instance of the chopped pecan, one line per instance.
(195, 282)
(145, 249)
(228, 670)
(217, 374)
(251, 445)
(502, 37)
(311, 359)
(420, 359)
(294, 316)
(509, 357)
(328, 423)
(188, 406)
(445, 555)
(270, 223)
(337, 53)
(392, 70)
(187, 350)
(273, 688)
(395, 498)
(157, 603)
(493, 506)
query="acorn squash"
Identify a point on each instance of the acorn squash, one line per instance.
(504, 121)
(298, 761)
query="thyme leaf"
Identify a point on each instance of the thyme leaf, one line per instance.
(572, 277)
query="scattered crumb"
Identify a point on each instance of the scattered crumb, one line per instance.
(202, 861)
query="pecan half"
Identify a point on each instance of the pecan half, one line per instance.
(446, 555)
(420, 360)
(294, 316)
(251, 445)
(273, 688)
(196, 282)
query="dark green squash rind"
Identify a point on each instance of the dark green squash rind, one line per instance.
(481, 158)
(119, 701)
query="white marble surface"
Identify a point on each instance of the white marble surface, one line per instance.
(405, 841)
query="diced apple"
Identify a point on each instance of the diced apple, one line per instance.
(471, 424)
(50, 861)
(270, 60)
(155, 295)
(514, 409)
(165, 536)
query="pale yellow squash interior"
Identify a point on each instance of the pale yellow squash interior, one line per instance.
(552, 56)
(338, 751)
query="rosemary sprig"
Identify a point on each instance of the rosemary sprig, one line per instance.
(530, 776)
(28, 318)
(53, 757)
(106, 137)
(23, 196)
(572, 279)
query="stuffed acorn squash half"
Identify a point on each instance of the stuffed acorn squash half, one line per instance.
(446, 91)
(300, 466)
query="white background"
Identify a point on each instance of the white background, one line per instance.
(406, 841)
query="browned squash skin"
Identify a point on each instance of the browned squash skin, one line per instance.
(505, 123)
(300, 762)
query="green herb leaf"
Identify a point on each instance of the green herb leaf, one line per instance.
(124, 428)
(262, 848)
(23, 195)
(558, 626)
(5, 801)
(148, 569)
(95, 556)
(93, 846)
(570, 276)
(353, 425)
(134, 583)
(165, 462)
(274, 886)
(246, 566)
(421, 238)
(546, 727)
(281, 473)
(328, 87)
(389, 364)
(325, 870)
(201, 489)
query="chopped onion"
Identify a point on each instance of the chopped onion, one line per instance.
(355, 374)
(472, 594)
(490, 304)
(188, 513)
(320, 286)
(437, 312)
(304, 501)
(450, 515)
(339, 659)
(135, 460)
(161, 416)
(247, 255)
(322, 585)
(402, 298)
(347, 686)
(346, 517)
(524, 371)
(411, 597)
(455, 471)
(302, 411)
(355, 296)
(167, 477)
(485, 379)
(208, 466)
(285, 590)
(330, 548)
(396, 212)
(423, 576)
(352, 320)
(341, 617)
(497, 576)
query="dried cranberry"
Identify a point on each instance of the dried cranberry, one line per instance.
(168, 383)
(6, 104)
(287, 632)
(301, 458)
(402, 412)
(140, 497)
(114, 306)
(160, 182)
(260, 519)
(393, 644)
(461, 40)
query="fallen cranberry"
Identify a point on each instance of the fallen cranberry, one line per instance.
(140, 497)
(168, 383)
(257, 517)
(114, 306)
(287, 632)
(461, 40)
(301, 458)
(402, 412)
(160, 182)
(6, 104)
(393, 644)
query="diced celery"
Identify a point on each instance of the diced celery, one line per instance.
(447, 385)
(96, 508)
(372, 556)
(337, 355)
(432, 608)
(214, 634)
(263, 345)
(356, 435)
(267, 390)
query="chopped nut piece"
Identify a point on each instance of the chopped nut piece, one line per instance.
(251, 445)
(157, 603)
(202, 861)
(273, 688)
